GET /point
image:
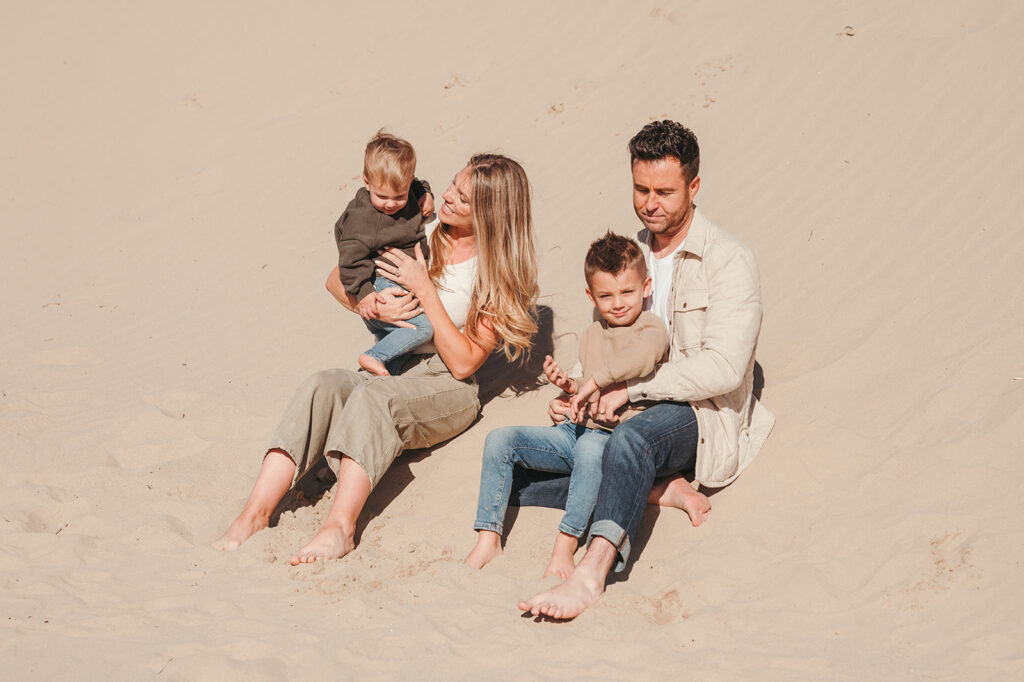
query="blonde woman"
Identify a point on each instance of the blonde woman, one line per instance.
(478, 291)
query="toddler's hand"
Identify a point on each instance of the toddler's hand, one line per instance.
(426, 203)
(368, 306)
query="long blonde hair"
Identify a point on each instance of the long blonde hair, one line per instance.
(506, 287)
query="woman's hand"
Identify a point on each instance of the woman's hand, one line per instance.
(396, 306)
(401, 269)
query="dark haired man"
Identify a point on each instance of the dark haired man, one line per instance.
(706, 288)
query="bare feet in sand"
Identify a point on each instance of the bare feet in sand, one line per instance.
(373, 366)
(487, 548)
(562, 563)
(582, 588)
(241, 529)
(330, 542)
(678, 493)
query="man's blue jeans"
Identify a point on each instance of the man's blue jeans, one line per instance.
(564, 448)
(392, 341)
(660, 441)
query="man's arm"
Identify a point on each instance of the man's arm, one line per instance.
(731, 325)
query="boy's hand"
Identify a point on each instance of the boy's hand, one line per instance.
(557, 376)
(368, 306)
(426, 203)
(558, 408)
(584, 401)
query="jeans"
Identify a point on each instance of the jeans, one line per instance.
(393, 341)
(563, 448)
(660, 441)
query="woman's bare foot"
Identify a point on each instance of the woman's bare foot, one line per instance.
(581, 589)
(677, 492)
(373, 366)
(241, 529)
(487, 548)
(562, 563)
(271, 484)
(331, 542)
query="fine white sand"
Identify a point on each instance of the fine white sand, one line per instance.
(171, 175)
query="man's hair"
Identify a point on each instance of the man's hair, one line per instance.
(614, 254)
(389, 160)
(659, 139)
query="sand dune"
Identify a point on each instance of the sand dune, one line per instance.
(171, 178)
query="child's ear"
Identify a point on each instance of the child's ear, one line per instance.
(591, 297)
(366, 181)
(647, 287)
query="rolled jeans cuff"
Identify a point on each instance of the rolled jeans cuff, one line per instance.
(484, 525)
(615, 534)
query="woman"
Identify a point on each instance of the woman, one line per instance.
(478, 293)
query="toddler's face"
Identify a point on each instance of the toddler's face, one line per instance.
(619, 298)
(385, 198)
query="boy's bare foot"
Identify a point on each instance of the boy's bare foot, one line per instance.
(487, 548)
(678, 493)
(373, 366)
(562, 563)
(241, 529)
(331, 542)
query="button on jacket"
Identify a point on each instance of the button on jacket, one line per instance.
(715, 304)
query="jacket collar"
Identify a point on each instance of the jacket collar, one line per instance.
(696, 238)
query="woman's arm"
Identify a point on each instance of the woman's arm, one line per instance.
(461, 355)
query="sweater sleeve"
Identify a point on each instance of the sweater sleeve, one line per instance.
(621, 353)
(419, 188)
(355, 267)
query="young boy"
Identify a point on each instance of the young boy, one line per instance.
(380, 216)
(626, 343)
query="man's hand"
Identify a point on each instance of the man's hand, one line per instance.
(558, 408)
(613, 396)
(557, 376)
(368, 306)
(426, 203)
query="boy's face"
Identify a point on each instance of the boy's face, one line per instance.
(619, 298)
(385, 198)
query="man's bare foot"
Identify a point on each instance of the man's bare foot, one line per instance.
(373, 366)
(678, 493)
(241, 529)
(330, 542)
(581, 589)
(487, 548)
(562, 563)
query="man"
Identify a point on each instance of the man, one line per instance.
(705, 286)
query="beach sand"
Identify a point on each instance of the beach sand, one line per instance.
(171, 177)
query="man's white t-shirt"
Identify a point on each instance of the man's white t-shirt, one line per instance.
(661, 281)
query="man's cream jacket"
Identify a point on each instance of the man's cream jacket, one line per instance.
(713, 328)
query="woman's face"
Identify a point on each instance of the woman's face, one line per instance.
(457, 211)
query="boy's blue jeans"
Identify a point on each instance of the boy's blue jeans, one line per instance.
(393, 341)
(564, 448)
(660, 441)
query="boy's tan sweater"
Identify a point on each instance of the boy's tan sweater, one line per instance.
(610, 354)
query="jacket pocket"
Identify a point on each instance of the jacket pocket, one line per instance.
(688, 321)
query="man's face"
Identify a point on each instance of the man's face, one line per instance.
(662, 198)
(385, 198)
(619, 298)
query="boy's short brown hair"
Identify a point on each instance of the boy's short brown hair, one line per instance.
(614, 253)
(389, 160)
